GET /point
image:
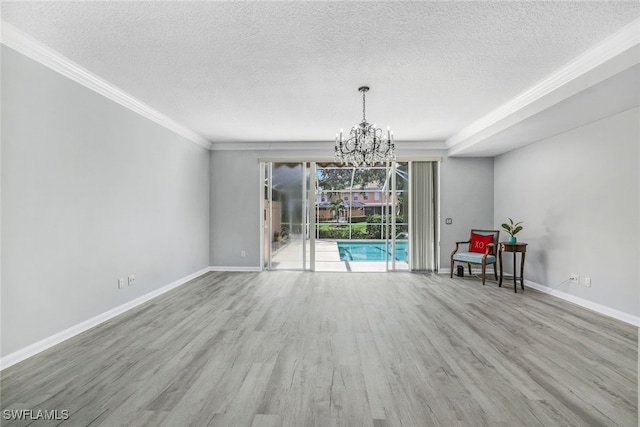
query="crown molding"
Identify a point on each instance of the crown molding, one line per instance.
(266, 145)
(315, 145)
(618, 43)
(32, 48)
(419, 145)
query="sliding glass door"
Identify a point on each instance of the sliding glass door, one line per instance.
(285, 216)
(329, 217)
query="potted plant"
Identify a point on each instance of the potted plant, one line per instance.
(513, 229)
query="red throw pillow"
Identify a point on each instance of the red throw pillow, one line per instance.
(479, 243)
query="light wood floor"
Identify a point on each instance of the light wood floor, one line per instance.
(339, 349)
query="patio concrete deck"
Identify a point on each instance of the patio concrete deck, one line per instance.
(289, 257)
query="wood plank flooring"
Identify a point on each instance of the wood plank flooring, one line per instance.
(338, 349)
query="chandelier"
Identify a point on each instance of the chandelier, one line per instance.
(365, 144)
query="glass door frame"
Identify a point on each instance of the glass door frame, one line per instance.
(308, 214)
(266, 217)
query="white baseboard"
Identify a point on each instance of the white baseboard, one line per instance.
(598, 308)
(35, 348)
(229, 268)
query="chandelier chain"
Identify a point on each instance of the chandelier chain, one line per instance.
(363, 107)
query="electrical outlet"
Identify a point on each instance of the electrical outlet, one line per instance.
(587, 282)
(243, 254)
(121, 283)
(575, 278)
(132, 280)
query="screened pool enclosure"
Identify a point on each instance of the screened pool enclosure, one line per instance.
(328, 217)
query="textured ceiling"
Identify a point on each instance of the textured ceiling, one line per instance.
(289, 71)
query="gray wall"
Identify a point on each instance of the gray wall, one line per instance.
(235, 209)
(235, 203)
(466, 196)
(578, 195)
(90, 192)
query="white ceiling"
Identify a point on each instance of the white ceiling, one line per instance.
(247, 72)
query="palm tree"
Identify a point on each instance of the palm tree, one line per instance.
(336, 205)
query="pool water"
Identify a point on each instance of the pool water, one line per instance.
(375, 250)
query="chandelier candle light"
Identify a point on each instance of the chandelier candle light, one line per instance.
(365, 144)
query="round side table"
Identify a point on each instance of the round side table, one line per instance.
(515, 248)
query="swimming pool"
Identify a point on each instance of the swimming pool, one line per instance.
(374, 250)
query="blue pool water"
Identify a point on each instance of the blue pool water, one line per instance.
(374, 250)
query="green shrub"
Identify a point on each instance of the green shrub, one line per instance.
(358, 234)
(358, 231)
(374, 227)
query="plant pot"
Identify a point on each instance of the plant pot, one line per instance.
(513, 239)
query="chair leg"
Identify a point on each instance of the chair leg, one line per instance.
(452, 266)
(469, 269)
(495, 271)
(484, 268)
